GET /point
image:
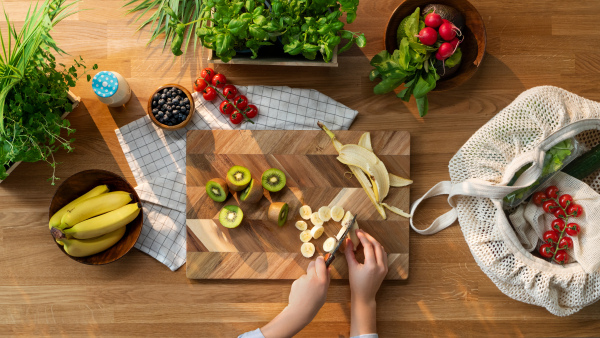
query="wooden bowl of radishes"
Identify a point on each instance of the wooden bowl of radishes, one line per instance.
(471, 28)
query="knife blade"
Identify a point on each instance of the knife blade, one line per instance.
(331, 256)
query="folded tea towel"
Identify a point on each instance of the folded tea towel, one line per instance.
(157, 157)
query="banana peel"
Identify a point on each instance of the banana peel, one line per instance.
(365, 141)
(397, 181)
(357, 172)
(353, 154)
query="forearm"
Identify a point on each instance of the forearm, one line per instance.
(284, 325)
(363, 320)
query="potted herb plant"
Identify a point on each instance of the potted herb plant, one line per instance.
(34, 92)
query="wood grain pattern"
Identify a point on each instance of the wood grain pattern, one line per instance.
(43, 293)
(258, 248)
(79, 184)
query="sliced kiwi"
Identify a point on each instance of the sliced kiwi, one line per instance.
(231, 216)
(273, 180)
(278, 212)
(217, 189)
(253, 193)
(238, 178)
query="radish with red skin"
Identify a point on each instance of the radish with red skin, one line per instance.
(433, 20)
(446, 50)
(439, 56)
(455, 42)
(427, 36)
(447, 30)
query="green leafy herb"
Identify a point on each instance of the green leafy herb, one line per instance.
(34, 92)
(173, 20)
(413, 64)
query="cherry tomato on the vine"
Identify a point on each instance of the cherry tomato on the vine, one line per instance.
(539, 197)
(230, 91)
(559, 213)
(219, 80)
(561, 257)
(226, 107)
(240, 102)
(565, 243)
(565, 200)
(546, 250)
(207, 74)
(209, 93)
(549, 206)
(575, 210)
(558, 225)
(552, 191)
(200, 84)
(572, 229)
(252, 111)
(236, 118)
(551, 236)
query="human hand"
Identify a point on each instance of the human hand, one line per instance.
(365, 280)
(307, 296)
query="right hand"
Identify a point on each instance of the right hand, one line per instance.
(366, 278)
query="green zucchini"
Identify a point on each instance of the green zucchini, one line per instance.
(584, 165)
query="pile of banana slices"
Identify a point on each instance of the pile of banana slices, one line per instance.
(318, 219)
(370, 172)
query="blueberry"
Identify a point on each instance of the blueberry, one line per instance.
(156, 96)
(179, 92)
(161, 102)
(175, 101)
(154, 111)
(187, 106)
(170, 108)
(175, 111)
(154, 103)
(169, 94)
(163, 96)
(185, 100)
(169, 100)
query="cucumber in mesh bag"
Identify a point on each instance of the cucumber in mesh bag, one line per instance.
(557, 158)
(584, 165)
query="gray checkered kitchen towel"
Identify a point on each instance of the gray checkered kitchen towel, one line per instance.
(157, 157)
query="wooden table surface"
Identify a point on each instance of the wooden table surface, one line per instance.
(42, 292)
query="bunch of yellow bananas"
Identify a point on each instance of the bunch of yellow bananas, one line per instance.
(93, 222)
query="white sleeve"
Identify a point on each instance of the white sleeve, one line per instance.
(370, 335)
(256, 334)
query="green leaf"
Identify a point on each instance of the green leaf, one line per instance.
(424, 84)
(361, 41)
(387, 85)
(411, 29)
(454, 59)
(423, 105)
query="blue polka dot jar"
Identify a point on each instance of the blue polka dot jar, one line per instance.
(111, 88)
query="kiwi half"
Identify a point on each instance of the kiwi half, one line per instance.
(238, 178)
(278, 212)
(273, 180)
(231, 216)
(217, 189)
(253, 193)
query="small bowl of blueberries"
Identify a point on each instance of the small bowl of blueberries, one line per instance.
(171, 107)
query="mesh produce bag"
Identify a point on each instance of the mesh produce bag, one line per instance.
(480, 173)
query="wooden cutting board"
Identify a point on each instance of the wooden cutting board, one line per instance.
(258, 248)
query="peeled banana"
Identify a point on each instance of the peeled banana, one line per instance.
(337, 213)
(103, 224)
(94, 206)
(307, 250)
(55, 219)
(315, 219)
(352, 233)
(305, 236)
(317, 231)
(87, 247)
(325, 213)
(305, 212)
(329, 244)
(301, 225)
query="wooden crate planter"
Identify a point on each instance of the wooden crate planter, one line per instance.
(274, 56)
(75, 100)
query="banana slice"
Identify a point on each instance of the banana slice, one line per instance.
(301, 225)
(325, 213)
(317, 231)
(306, 236)
(337, 213)
(329, 244)
(307, 250)
(315, 219)
(305, 211)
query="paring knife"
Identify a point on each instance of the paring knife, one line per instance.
(331, 256)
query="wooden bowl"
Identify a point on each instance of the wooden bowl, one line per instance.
(473, 46)
(182, 124)
(83, 182)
